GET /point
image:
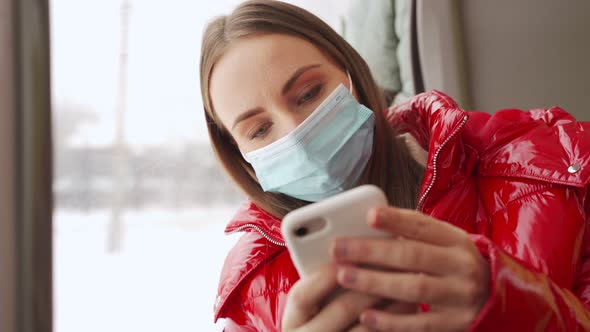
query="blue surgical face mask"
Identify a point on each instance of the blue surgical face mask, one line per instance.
(325, 155)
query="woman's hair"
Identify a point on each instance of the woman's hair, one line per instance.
(391, 167)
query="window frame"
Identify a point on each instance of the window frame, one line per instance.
(26, 287)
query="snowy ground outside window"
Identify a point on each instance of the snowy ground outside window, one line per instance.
(164, 278)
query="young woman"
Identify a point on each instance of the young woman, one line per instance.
(489, 212)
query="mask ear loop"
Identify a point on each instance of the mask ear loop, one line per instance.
(350, 87)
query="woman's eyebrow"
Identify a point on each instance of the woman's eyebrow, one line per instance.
(296, 75)
(246, 115)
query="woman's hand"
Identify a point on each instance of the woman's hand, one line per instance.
(313, 305)
(307, 311)
(394, 307)
(427, 261)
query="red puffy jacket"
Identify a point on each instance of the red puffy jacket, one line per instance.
(516, 180)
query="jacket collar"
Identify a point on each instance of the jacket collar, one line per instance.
(436, 122)
(250, 216)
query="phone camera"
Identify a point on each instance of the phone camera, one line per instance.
(301, 231)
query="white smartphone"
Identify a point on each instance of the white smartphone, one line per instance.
(309, 231)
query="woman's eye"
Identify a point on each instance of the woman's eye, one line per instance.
(260, 132)
(309, 95)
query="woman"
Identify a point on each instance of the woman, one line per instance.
(489, 226)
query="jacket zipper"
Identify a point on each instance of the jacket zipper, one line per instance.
(420, 202)
(435, 160)
(259, 230)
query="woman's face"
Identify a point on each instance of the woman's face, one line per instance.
(264, 86)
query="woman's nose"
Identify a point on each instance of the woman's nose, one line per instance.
(289, 121)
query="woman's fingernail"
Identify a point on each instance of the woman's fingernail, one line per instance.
(373, 217)
(347, 276)
(340, 250)
(380, 218)
(368, 319)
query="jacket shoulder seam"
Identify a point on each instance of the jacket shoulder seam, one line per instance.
(515, 200)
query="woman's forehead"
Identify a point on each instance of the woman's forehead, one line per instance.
(268, 56)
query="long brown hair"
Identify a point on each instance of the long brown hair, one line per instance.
(391, 167)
